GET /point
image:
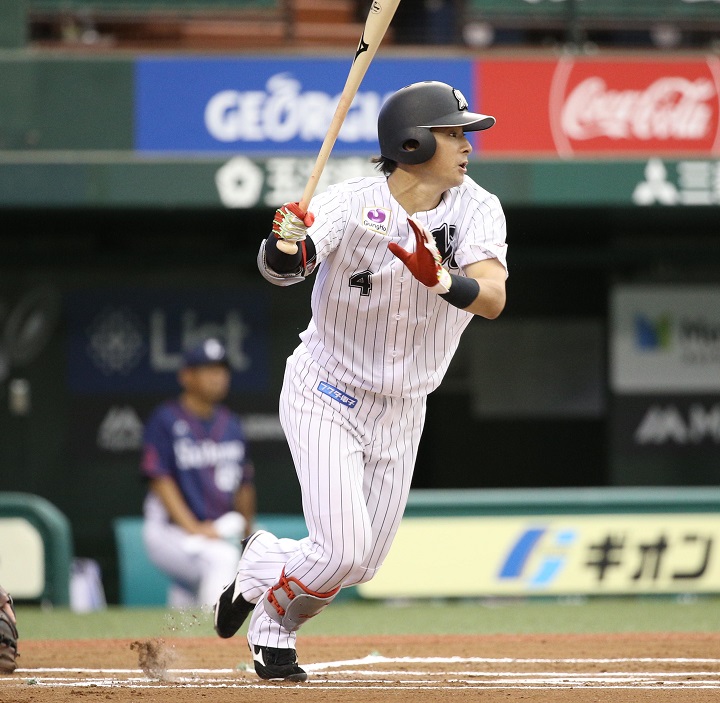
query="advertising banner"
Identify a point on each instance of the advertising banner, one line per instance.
(665, 339)
(244, 182)
(578, 107)
(132, 341)
(668, 426)
(265, 105)
(551, 555)
(112, 425)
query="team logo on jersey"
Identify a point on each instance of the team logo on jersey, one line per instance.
(376, 219)
(191, 454)
(446, 242)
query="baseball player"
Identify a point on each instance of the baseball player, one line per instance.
(404, 261)
(201, 498)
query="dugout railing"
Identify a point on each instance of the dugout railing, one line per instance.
(36, 560)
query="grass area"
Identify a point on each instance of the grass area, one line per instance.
(369, 618)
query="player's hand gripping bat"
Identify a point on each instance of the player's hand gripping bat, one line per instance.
(293, 217)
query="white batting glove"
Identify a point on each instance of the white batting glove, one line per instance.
(291, 223)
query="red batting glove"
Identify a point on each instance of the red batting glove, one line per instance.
(291, 222)
(425, 262)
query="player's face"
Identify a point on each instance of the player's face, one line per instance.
(209, 383)
(448, 165)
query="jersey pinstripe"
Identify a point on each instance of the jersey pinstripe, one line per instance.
(354, 394)
(355, 466)
(374, 326)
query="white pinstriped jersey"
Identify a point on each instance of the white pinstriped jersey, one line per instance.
(374, 326)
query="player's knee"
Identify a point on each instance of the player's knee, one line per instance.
(361, 574)
(340, 555)
(348, 565)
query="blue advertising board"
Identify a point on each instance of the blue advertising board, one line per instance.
(131, 341)
(263, 105)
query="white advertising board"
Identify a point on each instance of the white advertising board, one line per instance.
(665, 339)
(22, 558)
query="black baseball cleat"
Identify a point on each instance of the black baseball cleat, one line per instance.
(274, 664)
(231, 609)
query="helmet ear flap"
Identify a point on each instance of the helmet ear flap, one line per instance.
(424, 151)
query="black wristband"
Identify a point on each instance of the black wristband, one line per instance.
(278, 260)
(283, 263)
(463, 291)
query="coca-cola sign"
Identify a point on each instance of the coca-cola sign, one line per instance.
(669, 106)
(581, 106)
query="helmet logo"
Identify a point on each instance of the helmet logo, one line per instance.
(462, 103)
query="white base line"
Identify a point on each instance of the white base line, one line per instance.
(375, 659)
(373, 678)
(660, 685)
(432, 677)
(137, 672)
(372, 659)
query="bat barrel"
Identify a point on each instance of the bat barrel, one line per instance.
(378, 20)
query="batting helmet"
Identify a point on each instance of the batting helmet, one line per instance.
(408, 115)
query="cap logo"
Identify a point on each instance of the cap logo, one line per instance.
(462, 103)
(213, 349)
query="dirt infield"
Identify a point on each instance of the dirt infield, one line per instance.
(558, 668)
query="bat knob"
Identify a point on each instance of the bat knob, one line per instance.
(287, 247)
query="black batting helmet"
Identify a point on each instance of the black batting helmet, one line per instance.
(408, 115)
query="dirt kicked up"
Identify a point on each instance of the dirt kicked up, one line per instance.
(549, 668)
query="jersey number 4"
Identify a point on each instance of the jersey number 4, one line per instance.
(363, 281)
(445, 239)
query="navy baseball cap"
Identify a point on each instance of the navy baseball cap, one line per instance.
(210, 351)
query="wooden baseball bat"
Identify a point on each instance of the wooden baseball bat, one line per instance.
(378, 20)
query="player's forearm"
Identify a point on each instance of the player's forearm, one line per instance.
(490, 300)
(287, 256)
(283, 269)
(280, 262)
